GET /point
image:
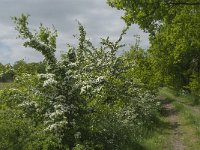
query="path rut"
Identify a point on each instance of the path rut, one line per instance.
(175, 142)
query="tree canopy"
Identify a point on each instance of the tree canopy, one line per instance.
(151, 14)
(174, 37)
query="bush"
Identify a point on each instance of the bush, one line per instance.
(86, 100)
(194, 84)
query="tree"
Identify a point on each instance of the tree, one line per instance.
(85, 99)
(174, 36)
(139, 66)
(22, 66)
(151, 14)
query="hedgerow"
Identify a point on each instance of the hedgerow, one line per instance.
(85, 99)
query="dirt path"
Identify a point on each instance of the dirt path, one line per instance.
(181, 123)
(175, 142)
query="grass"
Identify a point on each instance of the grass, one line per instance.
(192, 117)
(190, 127)
(4, 85)
(188, 115)
(158, 139)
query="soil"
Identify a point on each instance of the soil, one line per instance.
(175, 142)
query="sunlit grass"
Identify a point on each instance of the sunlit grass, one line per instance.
(158, 140)
(189, 119)
(5, 85)
(192, 117)
(191, 128)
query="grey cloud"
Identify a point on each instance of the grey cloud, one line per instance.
(98, 18)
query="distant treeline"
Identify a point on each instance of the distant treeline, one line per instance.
(8, 72)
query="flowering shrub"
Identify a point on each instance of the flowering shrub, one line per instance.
(6, 73)
(85, 99)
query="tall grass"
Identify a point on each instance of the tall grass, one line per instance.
(4, 85)
(192, 117)
(183, 105)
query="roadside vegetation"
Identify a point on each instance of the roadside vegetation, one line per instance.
(93, 99)
(179, 128)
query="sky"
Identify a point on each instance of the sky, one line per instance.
(99, 20)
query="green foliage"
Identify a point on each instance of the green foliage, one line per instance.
(43, 41)
(13, 130)
(21, 129)
(194, 84)
(9, 72)
(5, 85)
(21, 67)
(6, 73)
(19, 133)
(175, 54)
(151, 14)
(86, 100)
(174, 37)
(139, 67)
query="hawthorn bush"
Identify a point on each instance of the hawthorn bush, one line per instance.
(6, 73)
(85, 99)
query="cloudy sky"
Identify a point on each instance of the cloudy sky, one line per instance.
(97, 17)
